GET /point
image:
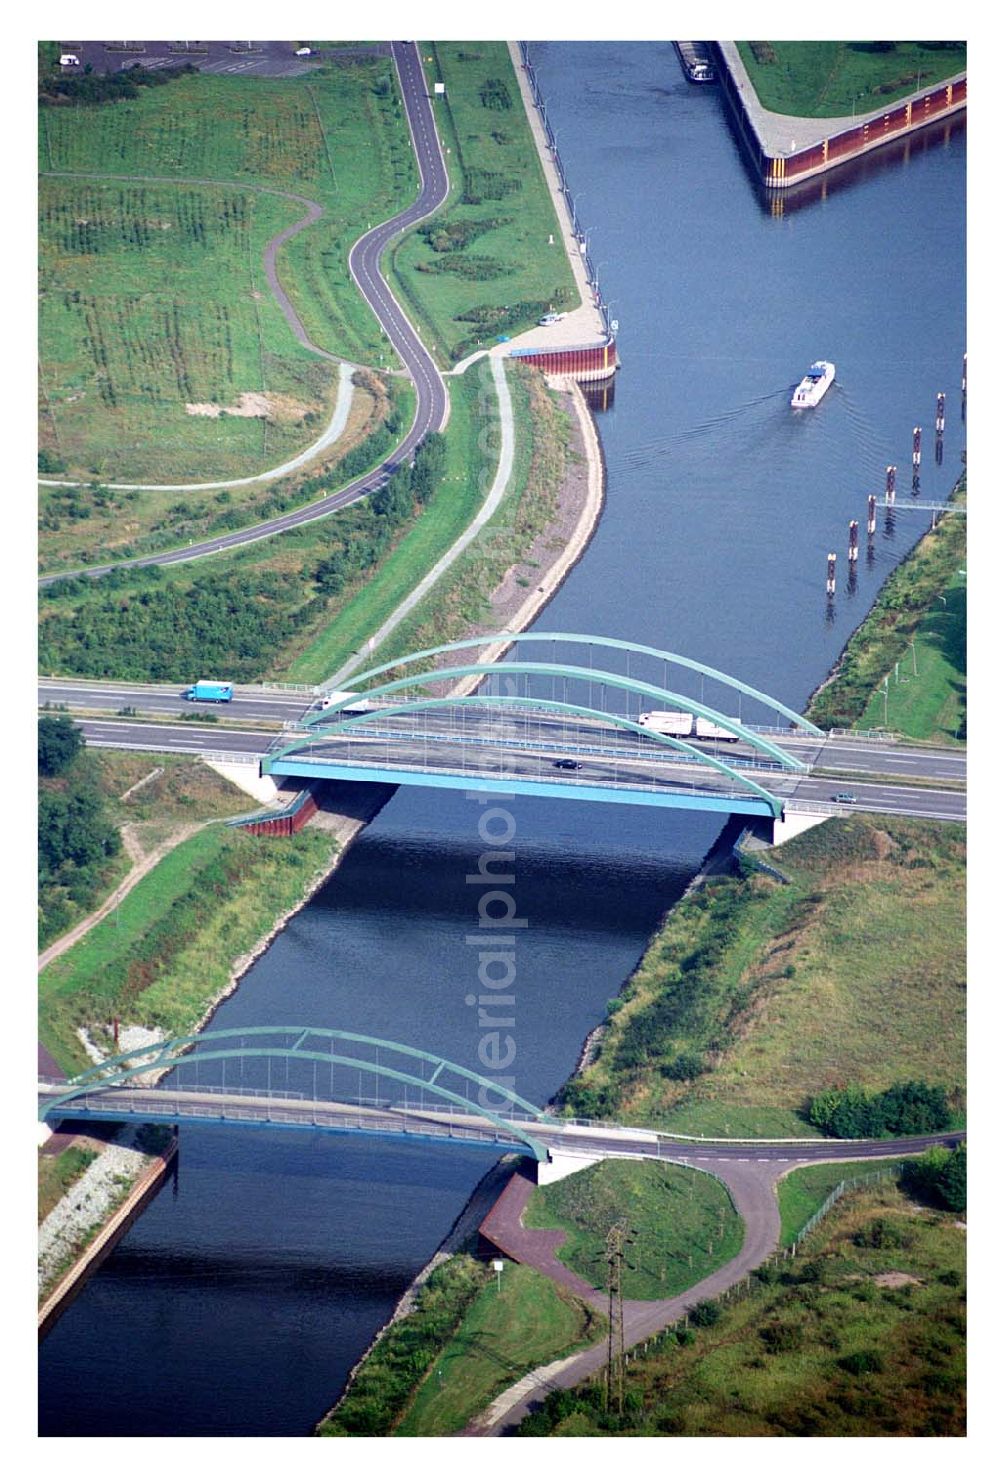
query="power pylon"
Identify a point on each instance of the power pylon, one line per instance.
(618, 1238)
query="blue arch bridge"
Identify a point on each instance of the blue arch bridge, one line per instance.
(300, 1077)
(576, 725)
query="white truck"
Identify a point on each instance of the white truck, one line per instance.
(670, 724)
(704, 729)
(350, 704)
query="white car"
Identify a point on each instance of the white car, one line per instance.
(547, 319)
(69, 60)
(304, 51)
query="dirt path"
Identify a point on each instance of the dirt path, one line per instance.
(142, 864)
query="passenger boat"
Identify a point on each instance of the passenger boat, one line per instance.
(810, 390)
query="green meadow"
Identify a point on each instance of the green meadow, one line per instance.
(154, 216)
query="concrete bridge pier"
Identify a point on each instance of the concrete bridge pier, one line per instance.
(767, 833)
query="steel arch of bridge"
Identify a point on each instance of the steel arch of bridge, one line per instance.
(631, 648)
(580, 673)
(543, 704)
(182, 1050)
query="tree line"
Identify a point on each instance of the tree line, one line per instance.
(905, 1109)
(76, 840)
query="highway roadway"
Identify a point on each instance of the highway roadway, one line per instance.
(431, 394)
(801, 793)
(884, 777)
(831, 754)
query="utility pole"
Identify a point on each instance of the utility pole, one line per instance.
(617, 1239)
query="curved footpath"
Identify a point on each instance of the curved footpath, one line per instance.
(491, 503)
(432, 396)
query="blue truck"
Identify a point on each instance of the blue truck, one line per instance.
(206, 691)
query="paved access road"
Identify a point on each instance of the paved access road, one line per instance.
(432, 397)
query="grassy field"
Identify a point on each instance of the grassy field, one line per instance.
(904, 667)
(96, 523)
(153, 290)
(925, 695)
(863, 1334)
(832, 79)
(166, 951)
(483, 267)
(57, 1173)
(153, 302)
(512, 1326)
(755, 996)
(683, 1223)
(802, 1193)
(184, 790)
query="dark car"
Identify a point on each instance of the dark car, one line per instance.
(843, 798)
(565, 764)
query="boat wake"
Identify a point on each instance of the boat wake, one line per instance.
(725, 423)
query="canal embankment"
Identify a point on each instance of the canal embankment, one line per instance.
(903, 669)
(456, 1288)
(88, 1222)
(787, 150)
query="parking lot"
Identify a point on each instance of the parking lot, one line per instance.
(259, 58)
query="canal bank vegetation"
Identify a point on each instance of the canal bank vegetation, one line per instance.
(154, 294)
(905, 666)
(836, 79)
(483, 266)
(862, 1334)
(469, 1337)
(506, 561)
(682, 1224)
(58, 1172)
(167, 953)
(97, 524)
(754, 997)
(147, 801)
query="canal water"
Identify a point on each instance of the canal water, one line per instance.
(241, 1298)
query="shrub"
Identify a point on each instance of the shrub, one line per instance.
(882, 1234)
(684, 1067)
(782, 1337)
(940, 1176)
(906, 1108)
(705, 1314)
(866, 1361)
(59, 742)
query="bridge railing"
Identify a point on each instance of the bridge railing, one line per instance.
(489, 740)
(395, 1118)
(265, 687)
(869, 735)
(229, 758)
